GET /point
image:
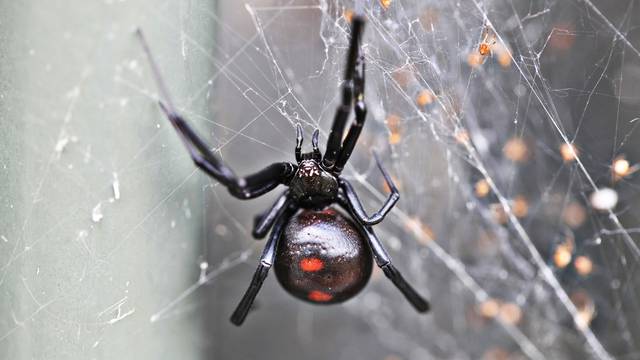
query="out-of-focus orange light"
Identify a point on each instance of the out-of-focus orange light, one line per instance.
(562, 255)
(562, 36)
(482, 188)
(583, 265)
(394, 138)
(504, 55)
(520, 206)
(489, 308)
(393, 123)
(402, 76)
(424, 98)
(510, 313)
(569, 152)
(474, 59)
(385, 3)
(348, 14)
(621, 166)
(516, 150)
(423, 233)
(574, 215)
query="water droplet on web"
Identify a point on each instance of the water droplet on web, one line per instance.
(186, 209)
(604, 199)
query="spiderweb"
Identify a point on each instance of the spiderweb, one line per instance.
(509, 127)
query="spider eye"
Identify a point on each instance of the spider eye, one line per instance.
(308, 168)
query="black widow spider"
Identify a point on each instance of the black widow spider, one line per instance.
(320, 255)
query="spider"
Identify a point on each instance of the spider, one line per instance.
(321, 255)
(487, 42)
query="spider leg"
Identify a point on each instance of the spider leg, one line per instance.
(355, 206)
(360, 109)
(383, 260)
(266, 260)
(265, 221)
(299, 139)
(334, 142)
(243, 188)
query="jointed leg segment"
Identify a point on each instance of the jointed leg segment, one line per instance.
(243, 188)
(265, 221)
(353, 85)
(383, 260)
(355, 206)
(266, 261)
(360, 109)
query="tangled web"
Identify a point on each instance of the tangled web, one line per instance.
(510, 129)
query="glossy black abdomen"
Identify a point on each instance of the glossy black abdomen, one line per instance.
(322, 257)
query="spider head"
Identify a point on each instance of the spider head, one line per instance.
(312, 185)
(308, 168)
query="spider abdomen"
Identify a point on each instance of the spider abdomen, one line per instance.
(322, 258)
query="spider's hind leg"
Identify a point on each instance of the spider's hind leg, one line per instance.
(266, 261)
(383, 260)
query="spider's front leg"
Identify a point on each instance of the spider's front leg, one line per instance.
(360, 110)
(353, 83)
(243, 188)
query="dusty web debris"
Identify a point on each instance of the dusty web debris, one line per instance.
(116, 186)
(96, 213)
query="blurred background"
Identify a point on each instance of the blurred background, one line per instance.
(509, 126)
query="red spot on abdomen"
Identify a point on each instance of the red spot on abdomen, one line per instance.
(319, 296)
(311, 264)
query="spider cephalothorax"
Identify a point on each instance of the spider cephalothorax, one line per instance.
(321, 255)
(312, 186)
